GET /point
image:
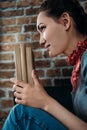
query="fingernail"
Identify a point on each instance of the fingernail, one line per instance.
(13, 80)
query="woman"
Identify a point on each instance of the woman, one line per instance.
(62, 25)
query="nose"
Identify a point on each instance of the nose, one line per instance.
(42, 41)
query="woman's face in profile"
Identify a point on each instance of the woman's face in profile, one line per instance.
(52, 34)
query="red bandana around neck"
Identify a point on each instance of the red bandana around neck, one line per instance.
(75, 59)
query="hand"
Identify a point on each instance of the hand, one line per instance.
(32, 95)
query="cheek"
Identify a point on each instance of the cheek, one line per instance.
(56, 37)
(58, 45)
(54, 33)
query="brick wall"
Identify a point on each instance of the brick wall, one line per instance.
(18, 25)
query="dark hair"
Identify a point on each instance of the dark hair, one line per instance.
(55, 8)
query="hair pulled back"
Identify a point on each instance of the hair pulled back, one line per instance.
(55, 8)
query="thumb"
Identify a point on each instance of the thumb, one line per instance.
(35, 77)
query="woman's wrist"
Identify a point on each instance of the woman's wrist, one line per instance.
(48, 102)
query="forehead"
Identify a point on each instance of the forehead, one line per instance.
(43, 18)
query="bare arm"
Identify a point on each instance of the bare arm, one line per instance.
(71, 121)
(34, 95)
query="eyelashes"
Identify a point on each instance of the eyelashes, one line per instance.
(42, 28)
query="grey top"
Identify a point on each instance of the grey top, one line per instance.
(80, 96)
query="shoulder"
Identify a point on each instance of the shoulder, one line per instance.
(84, 65)
(84, 57)
(80, 99)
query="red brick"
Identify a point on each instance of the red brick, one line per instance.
(6, 74)
(60, 63)
(6, 56)
(46, 54)
(22, 20)
(7, 103)
(40, 73)
(7, 65)
(13, 29)
(2, 93)
(6, 84)
(31, 11)
(35, 2)
(36, 37)
(29, 28)
(37, 54)
(7, 39)
(46, 82)
(42, 63)
(7, 4)
(35, 45)
(23, 37)
(17, 12)
(33, 19)
(3, 114)
(9, 21)
(53, 72)
(22, 3)
(11, 94)
(8, 47)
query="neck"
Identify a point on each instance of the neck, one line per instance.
(73, 43)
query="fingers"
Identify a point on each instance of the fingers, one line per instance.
(17, 95)
(35, 77)
(13, 80)
(17, 88)
(17, 91)
(18, 83)
(19, 101)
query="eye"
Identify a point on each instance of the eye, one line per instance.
(42, 28)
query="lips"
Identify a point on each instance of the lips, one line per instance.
(47, 46)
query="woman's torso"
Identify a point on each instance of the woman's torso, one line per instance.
(80, 96)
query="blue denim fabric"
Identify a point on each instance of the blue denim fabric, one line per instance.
(80, 96)
(28, 118)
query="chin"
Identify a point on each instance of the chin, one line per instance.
(52, 54)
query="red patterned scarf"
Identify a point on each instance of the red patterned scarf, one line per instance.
(75, 59)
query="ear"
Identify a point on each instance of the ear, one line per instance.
(66, 20)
